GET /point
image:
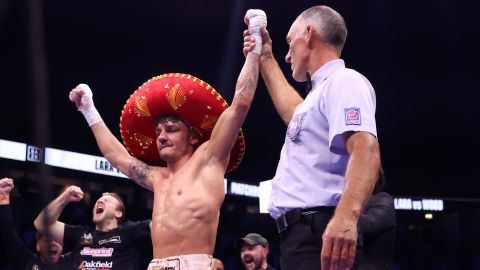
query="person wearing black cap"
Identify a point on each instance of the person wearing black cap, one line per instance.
(254, 251)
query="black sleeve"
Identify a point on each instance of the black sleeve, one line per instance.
(379, 214)
(12, 244)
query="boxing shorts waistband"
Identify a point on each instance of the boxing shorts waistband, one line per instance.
(293, 216)
(183, 262)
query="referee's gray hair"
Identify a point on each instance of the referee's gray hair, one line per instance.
(328, 23)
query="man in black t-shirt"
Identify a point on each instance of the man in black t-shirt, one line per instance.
(49, 251)
(108, 246)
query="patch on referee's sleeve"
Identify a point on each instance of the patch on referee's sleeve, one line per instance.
(352, 116)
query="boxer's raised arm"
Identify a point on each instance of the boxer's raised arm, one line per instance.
(228, 125)
(109, 145)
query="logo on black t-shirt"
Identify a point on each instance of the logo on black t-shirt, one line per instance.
(97, 252)
(113, 239)
(86, 239)
(95, 265)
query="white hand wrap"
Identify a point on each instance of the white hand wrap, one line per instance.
(256, 19)
(87, 108)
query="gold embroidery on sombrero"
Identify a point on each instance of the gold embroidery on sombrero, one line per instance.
(241, 140)
(208, 122)
(141, 107)
(176, 96)
(144, 88)
(141, 140)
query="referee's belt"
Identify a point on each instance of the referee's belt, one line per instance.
(293, 216)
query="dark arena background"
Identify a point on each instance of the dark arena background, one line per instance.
(422, 58)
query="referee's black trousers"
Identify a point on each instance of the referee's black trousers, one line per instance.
(301, 242)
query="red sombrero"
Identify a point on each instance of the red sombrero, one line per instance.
(184, 95)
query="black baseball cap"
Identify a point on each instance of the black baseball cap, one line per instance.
(252, 239)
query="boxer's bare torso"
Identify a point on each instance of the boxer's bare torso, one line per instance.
(186, 208)
(189, 191)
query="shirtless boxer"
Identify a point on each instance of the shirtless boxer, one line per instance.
(189, 191)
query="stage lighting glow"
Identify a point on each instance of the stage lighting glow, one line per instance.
(244, 189)
(12, 150)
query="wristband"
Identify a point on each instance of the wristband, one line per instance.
(88, 109)
(91, 115)
(256, 19)
(4, 197)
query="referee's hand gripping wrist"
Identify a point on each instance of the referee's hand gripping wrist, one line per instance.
(256, 19)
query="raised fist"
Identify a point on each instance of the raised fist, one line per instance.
(255, 19)
(82, 96)
(73, 194)
(6, 186)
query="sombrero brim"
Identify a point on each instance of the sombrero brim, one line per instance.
(175, 93)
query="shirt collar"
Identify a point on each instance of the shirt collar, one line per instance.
(322, 73)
